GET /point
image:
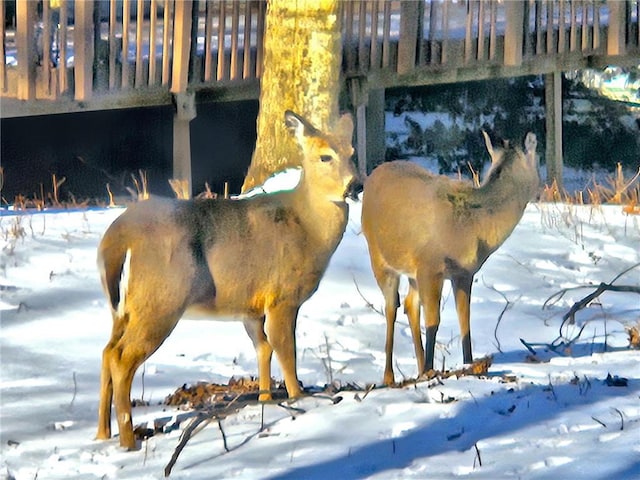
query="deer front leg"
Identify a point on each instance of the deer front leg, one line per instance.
(255, 329)
(280, 326)
(462, 290)
(412, 309)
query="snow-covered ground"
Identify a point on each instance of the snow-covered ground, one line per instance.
(551, 415)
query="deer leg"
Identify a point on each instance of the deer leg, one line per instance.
(462, 289)
(106, 384)
(255, 329)
(412, 309)
(388, 282)
(138, 342)
(280, 328)
(430, 288)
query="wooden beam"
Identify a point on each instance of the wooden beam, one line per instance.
(26, 49)
(185, 112)
(553, 123)
(83, 45)
(513, 36)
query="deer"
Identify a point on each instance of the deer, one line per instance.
(430, 227)
(256, 260)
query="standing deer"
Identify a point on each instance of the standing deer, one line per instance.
(256, 259)
(431, 228)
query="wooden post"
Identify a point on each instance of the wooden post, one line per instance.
(83, 45)
(185, 112)
(359, 101)
(617, 27)
(410, 28)
(514, 31)
(26, 49)
(376, 146)
(185, 101)
(553, 123)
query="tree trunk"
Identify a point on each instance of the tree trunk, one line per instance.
(302, 63)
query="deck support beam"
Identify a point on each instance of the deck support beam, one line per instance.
(553, 124)
(185, 112)
(370, 137)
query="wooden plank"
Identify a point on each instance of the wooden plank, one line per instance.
(235, 29)
(26, 49)
(538, 27)
(410, 22)
(493, 31)
(3, 52)
(83, 46)
(181, 47)
(617, 27)
(386, 31)
(220, 74)
(63, 80)
(481, 29)
(374, 53)
(573, 29)
(166, 41)
(445, 31)
(514, 13)
(585, 47)
(113, 54)
(153, 41)
(362, 35)
(550, 28)
(139, 43)
(124, 56)
(468, 36)
(208, 41)
(262, 7)
(46, 45)
(596, 26)
(561, 27)
(246, 43)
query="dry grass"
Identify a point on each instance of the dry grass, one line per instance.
(617, 190)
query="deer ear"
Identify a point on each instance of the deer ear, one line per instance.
(344, 127)
(293, 122)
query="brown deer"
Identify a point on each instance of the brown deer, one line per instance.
(431, 228)
(255, 259)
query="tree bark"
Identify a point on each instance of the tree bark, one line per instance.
(302, 60)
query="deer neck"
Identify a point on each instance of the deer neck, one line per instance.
(502, 202)
(324, 219)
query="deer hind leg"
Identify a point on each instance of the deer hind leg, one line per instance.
(255, 329)
(412, 309)
(123, 357)
(430, 288)
(462, 291)
(280, 326)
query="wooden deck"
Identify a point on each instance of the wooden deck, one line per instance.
(87, 55)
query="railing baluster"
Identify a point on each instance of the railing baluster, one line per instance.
(246, 42)
(374, 61)
(3, 51)
(493, 33)
(573, 33)
(153, 26)
(262, 7)
(139, 39)
(208, 41)
(550, 27)
(235, 18)
(386, 28)
(561, 26)
(221, 40)
(124, 58)
(481, 34)
(362, 35)
(468, 46)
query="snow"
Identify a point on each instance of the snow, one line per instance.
(554, 418)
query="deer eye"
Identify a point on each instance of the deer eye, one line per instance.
(326, 158)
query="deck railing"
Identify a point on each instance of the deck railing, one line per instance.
(141, 51)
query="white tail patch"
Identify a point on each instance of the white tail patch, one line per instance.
(124, 283)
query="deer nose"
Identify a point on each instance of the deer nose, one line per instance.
(354, 188)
